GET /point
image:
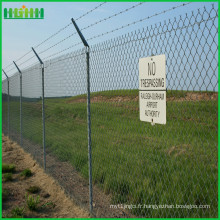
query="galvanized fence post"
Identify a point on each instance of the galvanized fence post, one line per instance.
(43, 117)
(88, 115)
(43, 109)
(8, 104)
(8, 110)
(89, 130)
(21, 126)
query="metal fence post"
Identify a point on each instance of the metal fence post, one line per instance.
(89, 131)
(88, 114)
(43, 109)
(8, 110)
(8, 104)
(21, 125)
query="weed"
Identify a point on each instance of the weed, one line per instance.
(17, 212)
(51, 204)
(32, 202)
(8, 168)
(33, 189)
(5, 194)
(26, 173)
(7, 177)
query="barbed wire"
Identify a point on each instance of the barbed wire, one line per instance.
(31, 65)
(62, 50)
(66, 58)
(127, 25)
(70, 24)
(53, 35)
(93, 24)
(138, 21)
(54, 45)
(27, 60)
(18, 59)
(158, 34)
(105, 33)
(11, 69)
(90, 11)
(62, 29)
(5, 68)
(114, 15)
(24, 55)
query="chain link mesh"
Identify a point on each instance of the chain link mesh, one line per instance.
(5, 105)
(14, 110)
(32, 111)
(135, 166)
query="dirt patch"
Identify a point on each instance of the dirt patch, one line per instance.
(73, 184)
(101, 98)
(196, 96)
(190, 96)
(49, 192)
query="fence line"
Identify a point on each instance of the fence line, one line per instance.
(133, 163)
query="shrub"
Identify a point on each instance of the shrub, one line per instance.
(7, 177)
(8, 168)
(32, 202)
(17, 212)
(26, 173)
(33, 189)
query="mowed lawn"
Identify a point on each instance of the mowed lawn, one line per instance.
(139, 164)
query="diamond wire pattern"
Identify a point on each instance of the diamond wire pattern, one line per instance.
(14, 88)
(65, 77)
(173, 164)
(32, 111)
(134, 162)
(5, 107)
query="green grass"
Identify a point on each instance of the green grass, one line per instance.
(8, 168)
(137, 163)
(17, 212)
(7, 177)
(32, 202)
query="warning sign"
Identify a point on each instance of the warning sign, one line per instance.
(152, 89)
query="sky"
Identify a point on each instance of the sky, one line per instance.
(18, 36)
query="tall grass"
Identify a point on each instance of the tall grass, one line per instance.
(136, 162)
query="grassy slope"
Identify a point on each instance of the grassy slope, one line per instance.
(138, 163)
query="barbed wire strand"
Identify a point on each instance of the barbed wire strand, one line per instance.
(114, 15)
(93, 24)
(11, 69)
(145, 38)
(90, 11)
(8, 66)
(124, 26)
(60, 30)
(70, 24)
(138, 21)
(63, 50)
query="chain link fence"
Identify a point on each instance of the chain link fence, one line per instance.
(137, 169)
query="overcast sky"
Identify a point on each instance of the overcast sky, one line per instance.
(20, 35)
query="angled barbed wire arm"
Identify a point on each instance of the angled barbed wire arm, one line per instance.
(8, 103)
(21, 124)
(88, 115)
(43, 109)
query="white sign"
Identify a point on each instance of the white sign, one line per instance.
(152, 89)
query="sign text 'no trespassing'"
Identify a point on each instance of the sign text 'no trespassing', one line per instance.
(152, 89)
